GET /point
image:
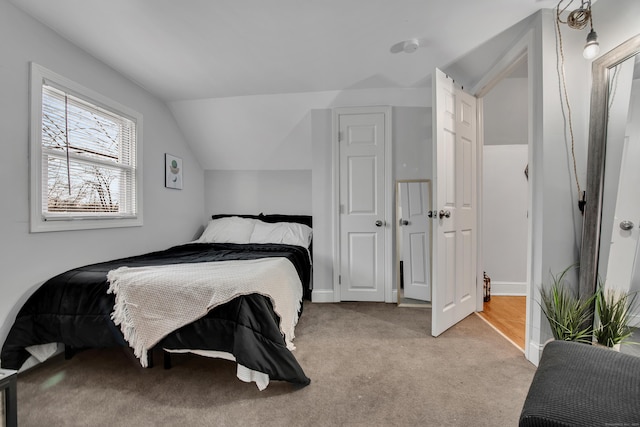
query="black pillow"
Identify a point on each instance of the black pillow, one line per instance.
(272, 218)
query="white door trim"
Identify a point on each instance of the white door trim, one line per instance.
(388, 199)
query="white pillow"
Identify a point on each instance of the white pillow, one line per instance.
(232, 229)
(288, 233)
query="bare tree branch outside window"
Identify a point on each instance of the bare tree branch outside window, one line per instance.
(83, 156)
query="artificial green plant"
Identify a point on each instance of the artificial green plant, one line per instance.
(569, 317)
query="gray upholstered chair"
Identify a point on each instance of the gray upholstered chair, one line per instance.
(582, 385)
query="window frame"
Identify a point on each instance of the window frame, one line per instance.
(38, 223)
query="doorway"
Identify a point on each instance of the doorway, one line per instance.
(505, 198)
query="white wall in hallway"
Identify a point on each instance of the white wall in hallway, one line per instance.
(504, 218)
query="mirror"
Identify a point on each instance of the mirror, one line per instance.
(620, 203)
(612, 213)
(413, 242)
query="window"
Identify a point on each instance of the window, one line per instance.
(84, 152)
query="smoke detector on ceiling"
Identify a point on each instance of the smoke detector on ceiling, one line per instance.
(410, 46)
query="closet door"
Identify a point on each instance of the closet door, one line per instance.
(364, 204)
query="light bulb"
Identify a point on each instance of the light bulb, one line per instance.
(592, 47)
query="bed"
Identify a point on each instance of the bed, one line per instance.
(78, 308)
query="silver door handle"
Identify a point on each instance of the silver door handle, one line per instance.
(379, 223)
(443, 213)
(403, 222)
(626, 225)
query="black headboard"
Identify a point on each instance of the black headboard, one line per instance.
(300, 219)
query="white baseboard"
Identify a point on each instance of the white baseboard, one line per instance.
(326, 295)
(322, 295)
(509, 288)
(534, 353)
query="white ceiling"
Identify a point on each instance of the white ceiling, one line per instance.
(195, 49)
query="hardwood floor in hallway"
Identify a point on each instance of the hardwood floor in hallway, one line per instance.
(507, 314)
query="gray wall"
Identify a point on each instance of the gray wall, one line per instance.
(310, 192)
(170, 216)
(252, 192)
(506, 113)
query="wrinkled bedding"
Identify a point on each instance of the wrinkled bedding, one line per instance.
(75, 309)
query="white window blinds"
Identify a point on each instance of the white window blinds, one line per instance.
(88, 159)
(85, 157)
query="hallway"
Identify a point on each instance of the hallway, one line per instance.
(507, 315)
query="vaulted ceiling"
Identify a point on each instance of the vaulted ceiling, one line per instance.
(195, 49)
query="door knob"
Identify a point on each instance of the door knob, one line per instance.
(431, 214)
(379, 223)
(443, 213)
(403, 222)
(626, 225)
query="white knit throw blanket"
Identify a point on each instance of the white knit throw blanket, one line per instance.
(151, 302)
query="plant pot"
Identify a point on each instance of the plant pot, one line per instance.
(616, 347)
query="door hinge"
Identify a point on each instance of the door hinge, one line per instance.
(339, 279)
(341, 209)
(339, 136)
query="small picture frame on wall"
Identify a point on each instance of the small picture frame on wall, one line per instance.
(173, 172)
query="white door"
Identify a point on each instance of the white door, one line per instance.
(455, 196)
(416, 245)
(362, 199)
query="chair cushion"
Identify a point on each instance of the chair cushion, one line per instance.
(582, 385)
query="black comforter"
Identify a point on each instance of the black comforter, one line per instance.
(74, 308)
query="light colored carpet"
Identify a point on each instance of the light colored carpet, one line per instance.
(370, 364)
